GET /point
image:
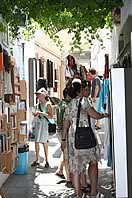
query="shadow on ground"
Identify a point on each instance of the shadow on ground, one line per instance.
(41, 182)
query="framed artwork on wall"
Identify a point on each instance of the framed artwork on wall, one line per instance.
(1, 89)
(5, 34)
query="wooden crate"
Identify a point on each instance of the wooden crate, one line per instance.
(14, 135)
(14, 149)
(8, 163)
(1, 89)
(2, 161)
(3, 120)
(22, 115)
(23, 90)
(22, 138)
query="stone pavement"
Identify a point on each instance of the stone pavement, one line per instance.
(42, 182)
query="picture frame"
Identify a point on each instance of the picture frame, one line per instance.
(1, 89)
(0, 107)
(5, 39)
(22, 105)
(23, 128)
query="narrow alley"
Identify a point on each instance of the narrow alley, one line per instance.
(42, 182)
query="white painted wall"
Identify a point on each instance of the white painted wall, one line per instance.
(124, 28)
(42, 50)
(17, 54)
(98, 54)
(114, 44)
(119, 127)
(126, 11)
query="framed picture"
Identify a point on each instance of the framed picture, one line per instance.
(5, 34)
(1, 89)
(22, 105)
(23, 128)
(0, 107)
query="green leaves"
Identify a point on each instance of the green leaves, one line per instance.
(55, 15)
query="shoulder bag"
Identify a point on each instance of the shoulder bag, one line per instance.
(84, 136)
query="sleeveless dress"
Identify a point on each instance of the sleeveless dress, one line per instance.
(41, 126)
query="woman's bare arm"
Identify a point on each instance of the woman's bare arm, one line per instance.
(66, 126)
(49, 113)
(96, 115)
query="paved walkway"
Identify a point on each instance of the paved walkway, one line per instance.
(42, 182)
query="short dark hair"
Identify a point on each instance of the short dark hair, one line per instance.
(65, 92)
(92, 71)
(74, 89)
(86, 83)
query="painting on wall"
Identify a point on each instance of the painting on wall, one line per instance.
(5, 34)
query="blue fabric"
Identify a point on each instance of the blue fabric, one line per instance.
(100, 99)
(106, 85)
(103, 88)
(43, 109)
(51, 120)
(109, 163)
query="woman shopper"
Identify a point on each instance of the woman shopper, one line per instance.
(86, 187)
(79, 158)
(60, 109)
(42, 113)
(86, 88)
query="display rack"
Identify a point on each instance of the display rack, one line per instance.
(12, 113)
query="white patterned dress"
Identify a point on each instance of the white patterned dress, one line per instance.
(78, 159)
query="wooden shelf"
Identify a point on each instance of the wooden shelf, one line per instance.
(9, 137)
(14, 141)
(14, 128)
(18, 93)
(17, 84)
(11, 124)
(13, 114)
(2, 161)
(3, 169)
(14, 169)
(12, 103)
(8, 162)
(8, 152)
(3, 153)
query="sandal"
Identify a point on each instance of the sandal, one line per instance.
(86, 189)
(35, 163)
(46, 165)
(60, 175)
(69, 184)
(62, 181)
(99, 195)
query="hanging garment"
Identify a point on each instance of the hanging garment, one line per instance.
(67, 72)
(108, 138)
(71, 61)
(50, 73)
(100, 99)
(1, 61)
(106, 89)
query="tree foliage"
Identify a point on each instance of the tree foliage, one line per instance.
(55, 15)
